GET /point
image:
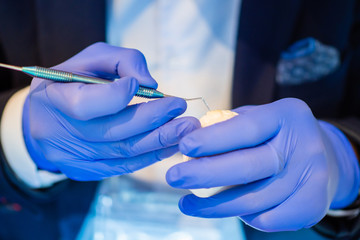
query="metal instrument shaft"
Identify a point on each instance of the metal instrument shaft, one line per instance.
(62, 76)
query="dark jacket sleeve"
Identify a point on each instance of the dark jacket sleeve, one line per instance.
(53, 213)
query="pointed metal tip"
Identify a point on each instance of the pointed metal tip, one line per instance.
(11, 67)
(199, 98)
(191, 99)
(207, 106)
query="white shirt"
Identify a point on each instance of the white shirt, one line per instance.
(189, 46)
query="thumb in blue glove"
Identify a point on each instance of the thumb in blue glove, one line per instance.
(88, 131)
(288, 167)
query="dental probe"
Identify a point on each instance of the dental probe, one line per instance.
(62, 76)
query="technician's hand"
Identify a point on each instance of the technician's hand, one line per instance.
(289, 168)
(87, 131)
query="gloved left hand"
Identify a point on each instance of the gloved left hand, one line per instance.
(88, 131)
(288, 167)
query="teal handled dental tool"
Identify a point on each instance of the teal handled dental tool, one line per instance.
(62, 76)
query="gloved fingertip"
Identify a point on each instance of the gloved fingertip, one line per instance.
(188, 125)
(188, 205)
(154, 84)
(133, 84)
(183, 175)
(178, 106)
(173, 177)
(149, 81)
(195, 123)
(188, 146)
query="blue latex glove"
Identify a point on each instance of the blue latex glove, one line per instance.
(289, 168)
(87, 131)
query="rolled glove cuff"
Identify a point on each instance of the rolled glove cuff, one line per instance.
(343, 223)
(348, 167)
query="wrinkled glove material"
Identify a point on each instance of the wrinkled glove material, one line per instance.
(288, 168)
(88, 131)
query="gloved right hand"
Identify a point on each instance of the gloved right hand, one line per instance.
(283, 167)
(87, 131)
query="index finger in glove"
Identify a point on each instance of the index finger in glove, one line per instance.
(250, 128)
(246, 130)
(233, 168)
(106, 61)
